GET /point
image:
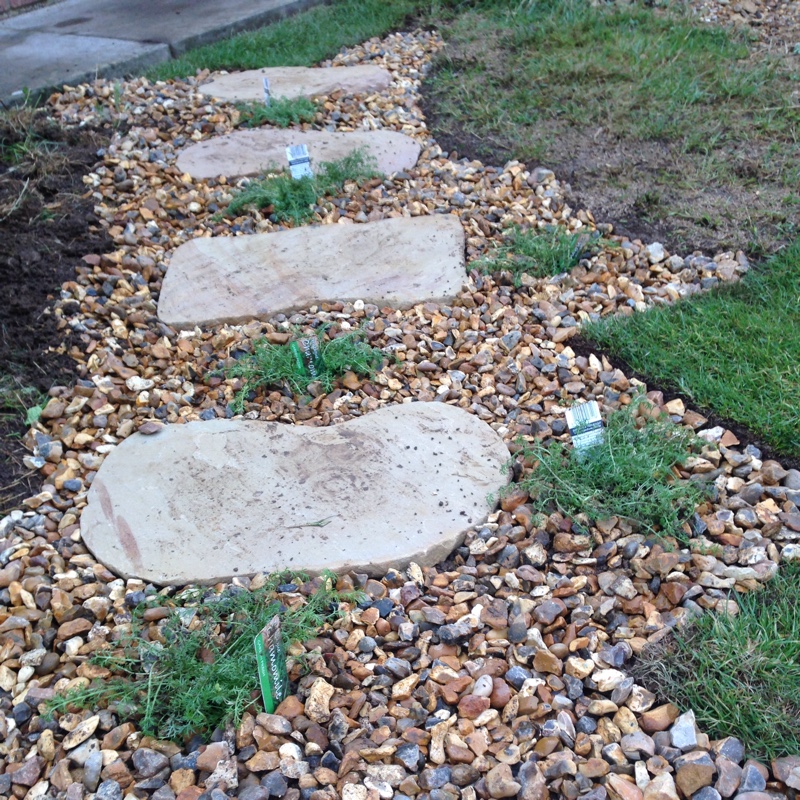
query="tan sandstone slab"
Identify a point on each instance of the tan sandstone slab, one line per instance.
(234, 279)
(246, 152)
(293, 82)
(206, 501)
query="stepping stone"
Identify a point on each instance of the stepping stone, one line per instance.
(206, 501)
(395, 262)
(247, 152)
(292, 82)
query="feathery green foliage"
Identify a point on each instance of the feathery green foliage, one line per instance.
(536, 252)
(628, 474)
(357, 166)
(204, 675)
(281, 112)
(740, 674)
(273, 364)
(292, 199)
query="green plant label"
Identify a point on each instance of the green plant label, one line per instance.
(299, 161)
(306, 354)
(271, 659)
(267, 96)
(585, 425)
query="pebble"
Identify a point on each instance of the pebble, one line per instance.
(683, 733)
(109, 790)
(774, 25)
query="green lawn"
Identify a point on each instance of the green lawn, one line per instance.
(300, 40)
(516, 65)
(740, 675)
(735, 351)
(651, 114)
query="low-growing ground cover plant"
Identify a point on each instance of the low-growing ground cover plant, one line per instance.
(733, 350)
(629, 474)
(536, 252)
(292, 199)
(281, 112)
(196, 671)
(274, 364)
(289, 199)
(740, 674)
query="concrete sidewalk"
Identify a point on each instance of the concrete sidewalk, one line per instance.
(77, 40)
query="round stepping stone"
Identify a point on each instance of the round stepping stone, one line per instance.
(247, 152)
(396, 262)
(293, 82)
(206, 501)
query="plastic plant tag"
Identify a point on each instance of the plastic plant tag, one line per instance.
(299, 161)
(306, 354)
(271, 659)
(267, 96)
(585, 425)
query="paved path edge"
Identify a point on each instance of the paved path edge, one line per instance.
(258, 20)
(158, 53)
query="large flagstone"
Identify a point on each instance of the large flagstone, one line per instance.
(293, 82)
(250, 152)
(206, 501)
(396, 262)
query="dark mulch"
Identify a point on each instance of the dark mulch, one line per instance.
(47, 225)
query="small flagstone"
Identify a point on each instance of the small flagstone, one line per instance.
(206, 501)
(250, 152)
(293, 82)
(395, 262)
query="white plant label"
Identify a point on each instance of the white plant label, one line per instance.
(299, 161)
(585, 425)
(267, 95)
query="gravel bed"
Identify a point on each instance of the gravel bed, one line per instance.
(774, 23)
(500, 673)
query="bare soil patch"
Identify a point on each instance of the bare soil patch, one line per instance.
(47, 225)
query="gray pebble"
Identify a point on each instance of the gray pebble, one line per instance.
(109, 790)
